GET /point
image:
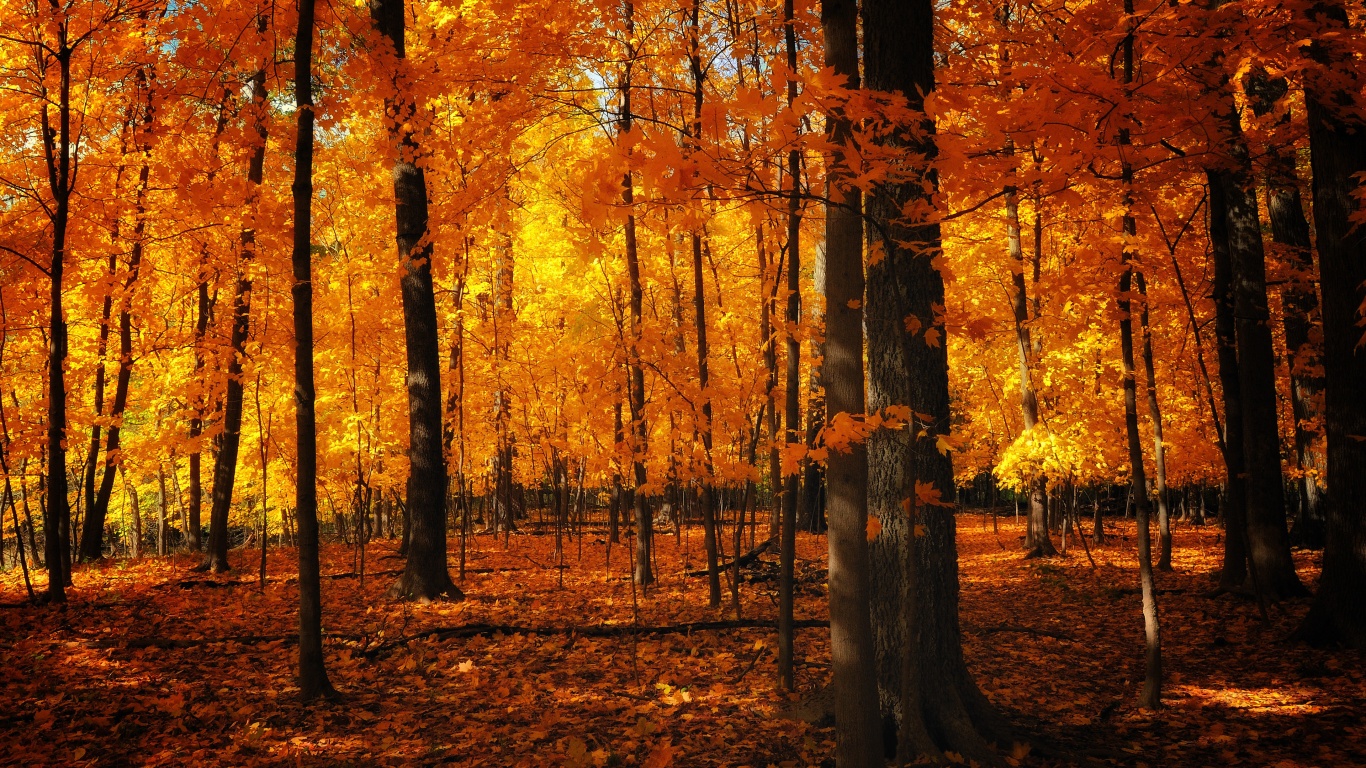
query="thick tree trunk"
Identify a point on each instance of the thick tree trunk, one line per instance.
(1339, 157)
(425, 573)
(858, 740)
(1303, 343)
(1234, 507)
(927, 695)
(1267, 537)
(313, 682)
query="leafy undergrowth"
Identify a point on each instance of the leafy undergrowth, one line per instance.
(150, 665)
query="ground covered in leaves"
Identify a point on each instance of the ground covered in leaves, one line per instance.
(153, 664)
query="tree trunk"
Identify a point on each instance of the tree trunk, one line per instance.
(313, 681)
(1164, 525)
(425, 574)
(927, 695)
(57, 512)
(1267, 538)
(1338, 157)
(1234, 507)
(787, 548)
(1038, 542)
(640, 431)
(858, 741)
(1151, 695)
(1303, 342)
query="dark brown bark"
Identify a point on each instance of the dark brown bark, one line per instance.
(425, 575)
(708, 491)
(927, 695)
(1338, 157)
(1267, 537)
(858, 741)
(1303, 342)
(787, 549)
(57, 512)
(313, 682)
(1233, 506)
(644, 574)
(1151, 695)
(225, 463)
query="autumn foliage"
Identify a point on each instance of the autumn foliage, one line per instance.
(566, 269)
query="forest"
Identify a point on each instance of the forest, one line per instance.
(683, 382)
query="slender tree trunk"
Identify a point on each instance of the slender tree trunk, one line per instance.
(313, 681)
(92, 533)
(693, 137)
(425, 574)
(1164, 525)
(57, 512)
(1151, 695)
(644, 574)
(787, 548)
(1339, 157)
(1038, 542)
(858, 740)
(813, 480)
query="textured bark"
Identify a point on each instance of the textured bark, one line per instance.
(858, 742)
(1338, 155)
(1303, 342)
(313, 682)
(1267, 537)
(425, 573)
(927, 695)
(1233, 507)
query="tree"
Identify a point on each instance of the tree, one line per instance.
(425, 575)
(313, 682)
(926, 692)
(1338, 158)
(851, 640)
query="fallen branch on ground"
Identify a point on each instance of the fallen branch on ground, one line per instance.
(743, 560)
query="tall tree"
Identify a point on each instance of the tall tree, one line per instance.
(858, 741)
(313, 682)
(927, 695)
(92, 533)
(225, 463)
(425, 574)
(1338, 158)
(1151, 695)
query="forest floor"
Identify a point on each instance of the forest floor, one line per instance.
(150, 664)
